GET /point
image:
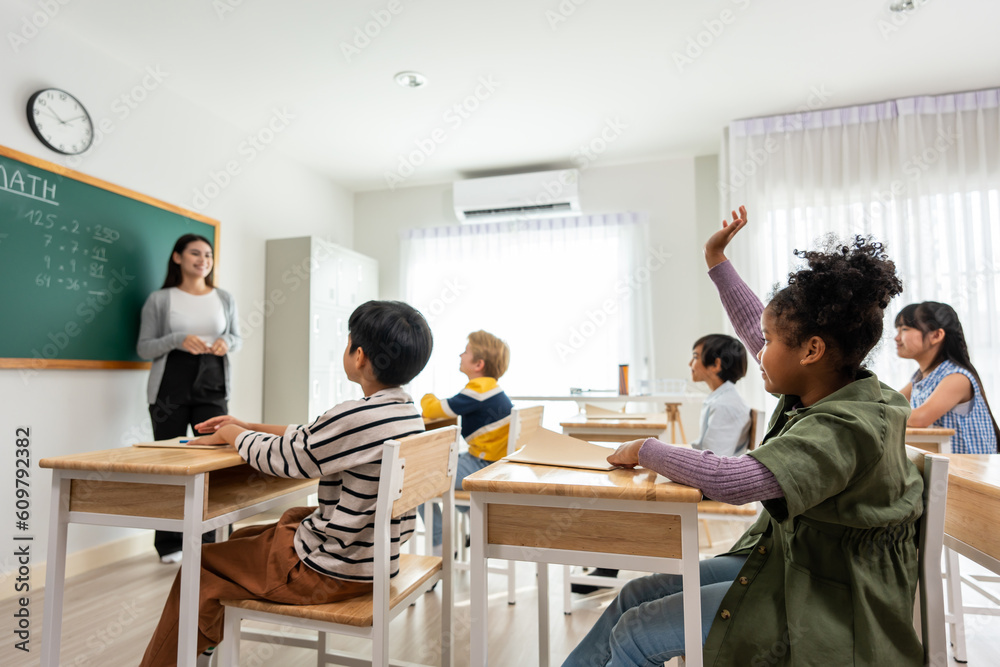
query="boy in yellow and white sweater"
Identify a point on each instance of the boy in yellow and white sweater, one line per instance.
(482, 405)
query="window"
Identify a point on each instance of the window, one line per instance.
(568, 295)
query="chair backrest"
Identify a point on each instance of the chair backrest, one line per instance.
(930, 603)
(414, 469)
(523, 424)
(757, 425)
(424, 467)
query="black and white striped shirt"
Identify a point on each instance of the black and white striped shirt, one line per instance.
(343, 448)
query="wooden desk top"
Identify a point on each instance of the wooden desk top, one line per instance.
(932, 430)
(148, 460)
(502, 477)
(602, 397)
(980, 472)
(645, 422)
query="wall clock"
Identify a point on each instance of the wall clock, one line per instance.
(60, 121)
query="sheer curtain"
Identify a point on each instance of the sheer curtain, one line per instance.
(569, 295)
(921, 174)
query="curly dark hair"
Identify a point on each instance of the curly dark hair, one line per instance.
(841, 297)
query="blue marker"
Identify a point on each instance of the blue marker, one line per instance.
(185, 440)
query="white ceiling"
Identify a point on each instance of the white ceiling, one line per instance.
(558, 82)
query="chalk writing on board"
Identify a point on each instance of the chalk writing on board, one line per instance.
(60, 268)
(28, 185)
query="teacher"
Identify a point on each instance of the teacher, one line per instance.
(188, 329)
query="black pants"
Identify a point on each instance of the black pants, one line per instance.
(193, 389)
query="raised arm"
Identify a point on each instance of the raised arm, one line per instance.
(742, 306)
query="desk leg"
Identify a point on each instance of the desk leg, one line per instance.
(543, 615)
(187, 637)
(478, 635)
(55, 570)
(692, 586)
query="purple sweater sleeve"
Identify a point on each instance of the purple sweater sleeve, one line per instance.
(731, 479)
(742, 306)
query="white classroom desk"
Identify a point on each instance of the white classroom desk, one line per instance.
(185, 490)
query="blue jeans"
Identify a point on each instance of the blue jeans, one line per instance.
(645, 624)
(467, 464)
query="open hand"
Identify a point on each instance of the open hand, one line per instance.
(213, 439)
(194, 345)
(215, 423)
(716, 245)
(627, 454)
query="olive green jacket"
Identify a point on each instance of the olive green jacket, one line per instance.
(831, 568)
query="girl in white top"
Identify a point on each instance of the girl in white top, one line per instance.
(188, 328)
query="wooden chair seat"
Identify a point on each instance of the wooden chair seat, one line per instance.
(716, 507)
(413, 571)
(463, 495)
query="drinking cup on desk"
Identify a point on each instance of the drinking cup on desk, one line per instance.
(623, 379)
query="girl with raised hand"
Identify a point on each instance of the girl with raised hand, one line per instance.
(946, 390)
(828, 573)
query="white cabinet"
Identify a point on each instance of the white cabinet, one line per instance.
(314, 286)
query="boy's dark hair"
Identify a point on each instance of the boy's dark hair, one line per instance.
(930, 316)
(174, 277)
(395, 337)
(729, 350)
(841, 298)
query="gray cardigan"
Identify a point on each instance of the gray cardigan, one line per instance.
(156, 340)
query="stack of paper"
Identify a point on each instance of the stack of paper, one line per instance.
(549, 448)
(179, 442)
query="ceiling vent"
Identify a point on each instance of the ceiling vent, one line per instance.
(541, 194)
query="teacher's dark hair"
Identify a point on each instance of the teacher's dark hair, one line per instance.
(174, 277)
(395, 337)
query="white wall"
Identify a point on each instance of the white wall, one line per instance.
(679, 195)
(165, 148)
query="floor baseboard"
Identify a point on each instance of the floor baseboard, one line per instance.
(83, 561)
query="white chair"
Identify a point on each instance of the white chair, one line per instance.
(523, 423)
(713, 510)
(707, 510)
(414, 470)
(928, 616)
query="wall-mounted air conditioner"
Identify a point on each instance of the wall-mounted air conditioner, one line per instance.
(536, 195)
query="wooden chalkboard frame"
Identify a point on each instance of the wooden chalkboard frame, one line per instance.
(37, 363)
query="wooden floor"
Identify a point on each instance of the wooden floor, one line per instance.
(110, 614)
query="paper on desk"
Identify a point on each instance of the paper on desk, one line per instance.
(177, 444)
(549, 448)
(597, 411)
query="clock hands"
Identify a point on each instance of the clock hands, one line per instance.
(66, 122)
(55, 115)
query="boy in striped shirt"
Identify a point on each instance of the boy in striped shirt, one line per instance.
(323, 554)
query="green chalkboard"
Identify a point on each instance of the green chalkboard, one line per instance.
(78, 257)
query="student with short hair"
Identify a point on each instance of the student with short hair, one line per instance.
(314, 555)
(945, 390)
(482, 405)
(720, 361)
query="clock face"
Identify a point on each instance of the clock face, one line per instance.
(60, 121)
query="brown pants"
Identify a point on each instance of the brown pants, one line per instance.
(257, 562)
